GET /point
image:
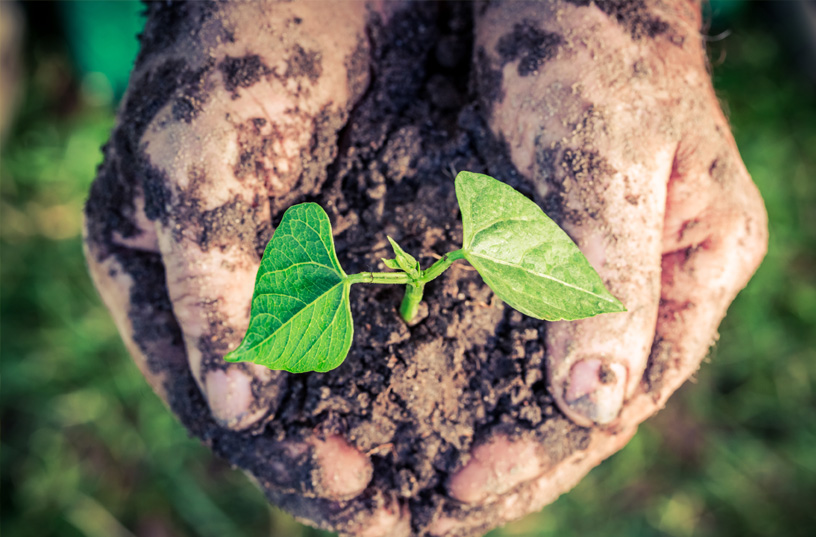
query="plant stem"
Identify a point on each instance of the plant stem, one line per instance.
(413, 291)
(379, 277)
(413, 287)
(411, 300)
(441, 266)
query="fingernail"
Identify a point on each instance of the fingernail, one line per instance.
(229, 394)
(596, 389)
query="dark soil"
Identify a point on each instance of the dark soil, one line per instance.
(471, 365)
(417, 398)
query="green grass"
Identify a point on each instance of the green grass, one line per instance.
(88, 450)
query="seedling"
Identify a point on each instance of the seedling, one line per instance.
(301, 320)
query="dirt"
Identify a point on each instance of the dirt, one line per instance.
(606, 375)
(416, 398)
(632, 15)
(419, 396)
(530, 45)
(242, 72)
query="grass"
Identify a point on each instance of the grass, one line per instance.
(88, 450)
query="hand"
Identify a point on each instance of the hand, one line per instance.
(611, 113)
(224, 114)
(236, 113)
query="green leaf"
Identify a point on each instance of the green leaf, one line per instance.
(403, 260)
(300, 319)
(525, 258)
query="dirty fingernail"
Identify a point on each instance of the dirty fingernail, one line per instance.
(595, 389)
(229, 394)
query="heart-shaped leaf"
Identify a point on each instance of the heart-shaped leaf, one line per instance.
(525, 258)
(300, 318)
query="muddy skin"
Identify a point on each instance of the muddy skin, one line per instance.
(151, 312)
(659, 362)
(235, 222)
(631, 14)
(167, 21)
(415, 398)
(114, 189)
(530, 45)
(563, 169)
(125, 164)
(487, 81)
(304, 63)
(242, 72)
(606, 374)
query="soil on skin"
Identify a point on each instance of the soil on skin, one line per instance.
(416, 398)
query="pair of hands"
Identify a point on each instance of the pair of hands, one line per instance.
(606, 110)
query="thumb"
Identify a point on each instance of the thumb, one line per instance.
(598, 172)
(253, 126)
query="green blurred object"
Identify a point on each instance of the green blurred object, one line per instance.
(723, 11)
(88, 450)
(103, 41)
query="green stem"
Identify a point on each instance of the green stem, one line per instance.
(411, 300)
(413, 287)
(441, 266)
(413, 291)
(379, 277)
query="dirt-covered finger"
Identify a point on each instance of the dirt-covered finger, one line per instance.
(323, 481)
(341, 471)
(496, 467)
(121, 250)
(378, 516)
(249, 125)
(702, 278)
(315, 467)
(553, 477)
(131, 284)
(597, 162)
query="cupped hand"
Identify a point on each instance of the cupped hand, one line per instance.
(234, 113)
(181, 210)
(610, 111)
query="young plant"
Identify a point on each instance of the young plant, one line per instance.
(301, 319)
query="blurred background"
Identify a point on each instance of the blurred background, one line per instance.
(88, 450)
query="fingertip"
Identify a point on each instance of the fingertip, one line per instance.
(318, 468)
(594, 391)
(494, 468)
(391, 520)
(229, 395)
(445, 525)
(342, 472)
